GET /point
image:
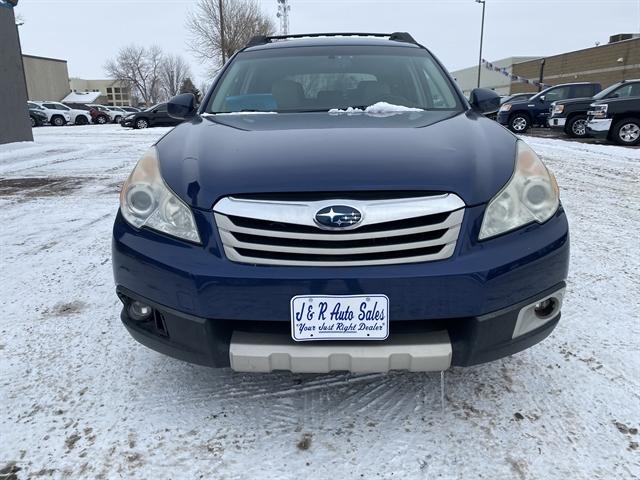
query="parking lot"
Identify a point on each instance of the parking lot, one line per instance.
(548, 133)
(80, 398)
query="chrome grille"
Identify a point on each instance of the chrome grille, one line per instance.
(397, 230)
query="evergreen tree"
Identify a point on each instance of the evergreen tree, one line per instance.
(188, 87)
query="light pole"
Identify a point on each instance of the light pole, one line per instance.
(481, 35)
(541, 76)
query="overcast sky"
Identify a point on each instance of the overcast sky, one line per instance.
(87, 32)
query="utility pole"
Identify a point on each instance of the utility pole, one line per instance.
(481, 37)
(283, 15)
(221, 14)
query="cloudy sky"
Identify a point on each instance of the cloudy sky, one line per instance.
(87, 32)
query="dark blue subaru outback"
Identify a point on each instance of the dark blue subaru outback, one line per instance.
(335, 203)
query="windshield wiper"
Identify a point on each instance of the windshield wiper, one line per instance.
(244, 110)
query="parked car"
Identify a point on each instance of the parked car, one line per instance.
(279, 215)
(116, 113)
(521, 115)
(571, 115)
(156, 116)
(38, 116)
(76, 116)
(54, 116)
(97, 116)
(509, 98)
(104, 114)
(616, 119)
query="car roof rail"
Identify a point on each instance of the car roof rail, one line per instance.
(395, 37)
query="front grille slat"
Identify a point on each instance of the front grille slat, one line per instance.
(393, 231)
(451, 219)
(230, 241)
(333, 244)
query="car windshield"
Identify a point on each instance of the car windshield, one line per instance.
(318, 78)
(606, 91)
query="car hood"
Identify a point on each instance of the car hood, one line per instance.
(210, 157)
(518, 103)
(615, 100)
(575, 101)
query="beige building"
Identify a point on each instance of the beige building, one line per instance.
(467, 78)
(605, 64)
(47, 78)
(113, 92)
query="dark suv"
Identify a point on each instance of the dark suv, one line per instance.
(571, 115)
(320, 212)
(520, 116)
(156, 116)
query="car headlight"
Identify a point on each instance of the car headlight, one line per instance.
(506, 107)
(599, 111)
(531, 195)
(146, 201)
(557, 109)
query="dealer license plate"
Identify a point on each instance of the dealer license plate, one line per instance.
(339, 317)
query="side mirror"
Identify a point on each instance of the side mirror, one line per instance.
(485, 101)
(614, 95)
(182, 106)
(541, 98)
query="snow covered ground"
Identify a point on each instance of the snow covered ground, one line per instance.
(80, 399)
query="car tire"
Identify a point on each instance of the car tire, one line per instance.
(117, 119)
(57, 121)
(519, 123)
(142, 123)
(81, 120)
(577, 126)
(626, 132)
(101, 119)
(34, 122)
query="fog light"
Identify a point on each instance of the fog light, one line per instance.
(537, 314)
(545, 308)
(139, 311)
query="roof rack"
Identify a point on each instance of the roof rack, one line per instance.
(395, 36)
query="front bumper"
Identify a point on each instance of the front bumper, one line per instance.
(599, 127)
(126, 123)
(425, 345)
(474, 296)
(503, 117)
(557, 123)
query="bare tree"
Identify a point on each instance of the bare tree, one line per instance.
(139, 68)
(173, 71)
(204, 87)
(219, 28)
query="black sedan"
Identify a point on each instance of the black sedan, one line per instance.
(156, 116)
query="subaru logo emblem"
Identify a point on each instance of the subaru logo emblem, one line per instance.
(338, 217)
